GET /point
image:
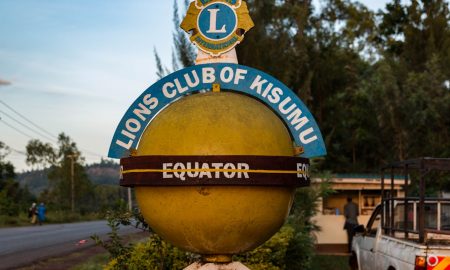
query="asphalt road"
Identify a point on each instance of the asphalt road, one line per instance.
(25, 245)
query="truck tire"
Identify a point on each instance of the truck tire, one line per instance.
(353, 261)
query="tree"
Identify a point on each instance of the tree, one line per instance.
(409, 88)
(13, 198)
(6, 167)
(60, 160)
(322, 55)
(183, 52)
(377, 84)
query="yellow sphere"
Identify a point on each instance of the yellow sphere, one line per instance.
(216, 220)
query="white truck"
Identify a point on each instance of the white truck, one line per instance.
(418, 238)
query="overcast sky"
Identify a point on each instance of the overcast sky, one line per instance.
(76, 66)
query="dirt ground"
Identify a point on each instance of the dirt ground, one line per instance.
(68, 261)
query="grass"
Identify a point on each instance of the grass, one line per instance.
(98, 261)
(326, 262)
(14, 221)
(67, 216)
(94, 263)
(52, 217)
(90, 259)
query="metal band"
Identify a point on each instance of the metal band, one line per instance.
(214, 170)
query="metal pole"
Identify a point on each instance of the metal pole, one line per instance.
(405, 202)
(391, 196)
(422, 203)
(383, 204)
(129, 199)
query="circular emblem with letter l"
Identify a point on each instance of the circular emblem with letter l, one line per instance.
(217, 21)
(217, 26)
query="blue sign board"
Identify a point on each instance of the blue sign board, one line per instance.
(233, 77)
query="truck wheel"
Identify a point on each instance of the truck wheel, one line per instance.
(353, 261)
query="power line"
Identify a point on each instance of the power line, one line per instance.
(28, 127)
(91, 153)
(54, 138)
(29, 121)
(17, 151)
(16, 129)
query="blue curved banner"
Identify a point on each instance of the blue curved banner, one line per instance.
(238, 78)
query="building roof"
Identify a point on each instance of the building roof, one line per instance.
(361, 183)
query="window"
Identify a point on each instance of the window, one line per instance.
(399, 216)
(445, 216)
(430, 215)
(374, 222)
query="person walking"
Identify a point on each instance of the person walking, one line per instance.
(351, 214)
(32, 212)
(41, 213)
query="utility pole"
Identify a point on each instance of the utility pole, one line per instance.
(130, 208)
(72, 180)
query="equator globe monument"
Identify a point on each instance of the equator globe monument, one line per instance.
(215, 151)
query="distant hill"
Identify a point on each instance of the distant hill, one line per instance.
(103, 173)
(35, 180)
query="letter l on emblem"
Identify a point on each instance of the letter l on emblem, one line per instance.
(213, 22)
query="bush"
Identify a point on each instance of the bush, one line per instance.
(154, 254)
(272, 254)
(67, 216)
(13, 221)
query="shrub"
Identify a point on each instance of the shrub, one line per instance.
(154, 254)
(271, 255)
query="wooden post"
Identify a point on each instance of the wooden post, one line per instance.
(72, 180)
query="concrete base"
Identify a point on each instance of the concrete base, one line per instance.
(217, 266)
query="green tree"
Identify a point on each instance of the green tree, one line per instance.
(377, 84)
(183, 52)
(61, 160)
(322, 55)
(6, 167)
(13, 198)
(409, 84)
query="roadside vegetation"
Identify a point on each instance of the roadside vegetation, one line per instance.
(96, 262)
(56, 167)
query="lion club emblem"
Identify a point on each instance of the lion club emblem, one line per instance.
(216, 26)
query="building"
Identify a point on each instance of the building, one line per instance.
(365, 190)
